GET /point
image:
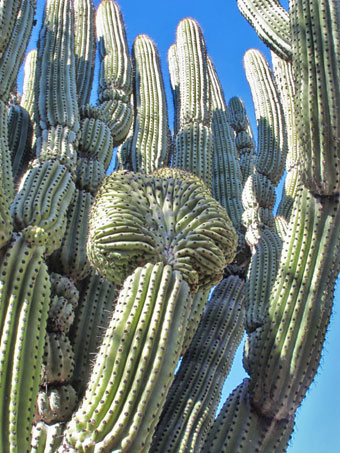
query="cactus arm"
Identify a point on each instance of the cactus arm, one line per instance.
(200, 300)
(194, 145)
(20, 133)
(70, 258)
(56, 100)
(271, 23)
(43, 198)
(46, 438)
(259, 194)
(174, 80)
(28, 93)
(297, 301)
(8, 15)
(96, 304)
(111, 415)
(227, 186)
(151, 140)
(316, 44)
(258, 433)
(84, 48)
(192, 399)
(25, 292)
(13, 55)
(272, 141)
(6, 180)
(115, 78)
(244, 140)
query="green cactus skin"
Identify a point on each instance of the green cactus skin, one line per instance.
(20, 134)
(271, 22)
(240, 429)
(56, 97)
(272, 141)
(56, 404)
(45, 438)
(61, 315)
(24, 302)
(136, 219)
(115, 78)
(193, 397)
(70, 258)
(12, 57)
(8, 15)
(96, 141)
(6, 180)
(199, 301)
(297, 300)
(316, 45)
(58, 363)
(89, 174)
(141, 345)
(84, 48)
(64, 300)
(284, 78)
(258, 197)
(174, 80)
(28, 93)
(58, 143)
(97, 300)
(57, 398)
(124, 151)
(227, 186)
(6, 173)
(194, 142)
(43, 198)
(151, 140)
(244, 137)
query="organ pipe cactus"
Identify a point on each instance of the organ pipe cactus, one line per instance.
(105, 280)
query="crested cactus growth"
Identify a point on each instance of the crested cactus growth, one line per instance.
(105, 281)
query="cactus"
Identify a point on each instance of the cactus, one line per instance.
(105, 280)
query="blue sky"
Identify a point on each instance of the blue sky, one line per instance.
(228, 36)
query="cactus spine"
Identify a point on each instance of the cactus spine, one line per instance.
(89, 365)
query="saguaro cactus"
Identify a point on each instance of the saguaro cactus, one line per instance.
(105, 281)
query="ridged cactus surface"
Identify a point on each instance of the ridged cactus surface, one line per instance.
(110, 282)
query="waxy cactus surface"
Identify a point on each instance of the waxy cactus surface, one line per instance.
(109, 282)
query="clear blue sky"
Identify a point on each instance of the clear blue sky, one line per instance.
(228, 36)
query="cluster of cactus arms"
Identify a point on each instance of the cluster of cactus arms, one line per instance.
(107, 281)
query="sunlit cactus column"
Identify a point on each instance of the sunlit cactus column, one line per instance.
(16, 20)
(194, 143)
(283, 352)
(150, 145)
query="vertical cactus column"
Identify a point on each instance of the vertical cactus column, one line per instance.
(283, 72)
(193, 397)
(24, 302)
(258, 194)
(194, 143)
(16, 19)
(283, 352)
(244, 140)
(150, 145)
